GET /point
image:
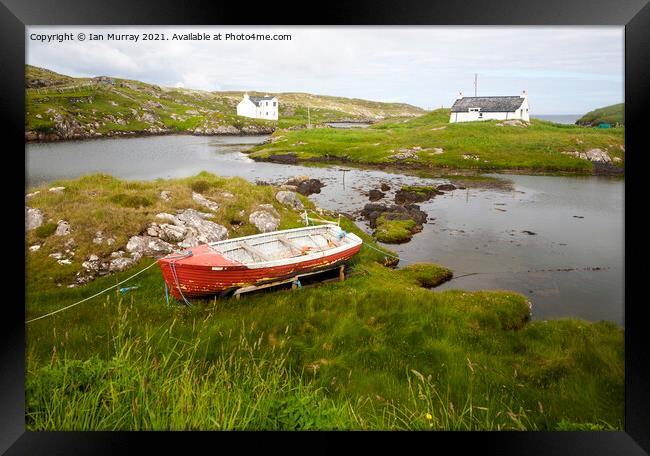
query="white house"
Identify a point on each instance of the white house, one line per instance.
(265, 107)
(468, 109)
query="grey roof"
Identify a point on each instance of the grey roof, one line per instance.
(257, 100)
(488, 104)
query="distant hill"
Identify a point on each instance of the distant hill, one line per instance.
(40, 77)
(63, 107)
(613, 114)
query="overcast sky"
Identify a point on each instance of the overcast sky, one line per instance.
(565, 70)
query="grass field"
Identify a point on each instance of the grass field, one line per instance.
(437, 144)
(377, 351)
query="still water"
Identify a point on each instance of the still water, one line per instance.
(571, 266)
(568, 119)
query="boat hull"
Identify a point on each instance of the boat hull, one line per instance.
(206, 280)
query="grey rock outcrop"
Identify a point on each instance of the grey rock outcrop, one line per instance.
(415, 195)
(445, 187)
(33, 218)
(593, 155)
(188, 228)
(199, 230)
(290, 199)
(149, 246)
(406, 154)
(297, 180)
(203, 201)
(265, 218)
(63, 228)
(169, 217)
(372, 211)
(120, 264)
(167, 232)
(92, 264)
(309, 186)
(512, 123)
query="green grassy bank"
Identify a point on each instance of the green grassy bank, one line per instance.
(378, 351)
(613, 115)
(430, 142)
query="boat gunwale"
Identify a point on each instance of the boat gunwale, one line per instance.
(356, 241)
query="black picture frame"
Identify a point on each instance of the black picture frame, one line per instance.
(16, 14)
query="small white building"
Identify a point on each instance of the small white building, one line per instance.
(265, 107)
(469, 109)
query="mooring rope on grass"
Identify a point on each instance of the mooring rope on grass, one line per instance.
(381, 251)
(172, 266)
(93, 296)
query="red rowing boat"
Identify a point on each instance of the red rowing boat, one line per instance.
(223, 267)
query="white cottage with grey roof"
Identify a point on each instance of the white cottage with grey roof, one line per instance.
(265, 107)
(469, 109)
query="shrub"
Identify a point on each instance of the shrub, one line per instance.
(134, 201)
(200, 186)
(45, 230)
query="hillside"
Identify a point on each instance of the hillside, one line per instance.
(323, 108)
(62, 107)
(613, 115)
(430, 142)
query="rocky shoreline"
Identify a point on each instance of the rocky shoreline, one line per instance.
(600, 168)
(397, 223)
(32, 136)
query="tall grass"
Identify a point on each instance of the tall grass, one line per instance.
(375, 352)
(243, 388)
(138, 388)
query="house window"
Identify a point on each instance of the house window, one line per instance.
(274, 103)
(474, 109)
(480, 115)
(267, 113)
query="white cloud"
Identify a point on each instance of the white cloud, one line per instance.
(564, 69)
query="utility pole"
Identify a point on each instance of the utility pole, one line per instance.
(475, 84)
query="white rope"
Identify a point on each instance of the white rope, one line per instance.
(90, 297)
(381, 251)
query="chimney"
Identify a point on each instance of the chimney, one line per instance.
(460, 95)
(246, 96)
(523, 94)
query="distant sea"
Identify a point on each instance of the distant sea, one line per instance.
(559, 118)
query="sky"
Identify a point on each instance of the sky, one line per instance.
(564, 70)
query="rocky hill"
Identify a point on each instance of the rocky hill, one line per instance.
(63, 107)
